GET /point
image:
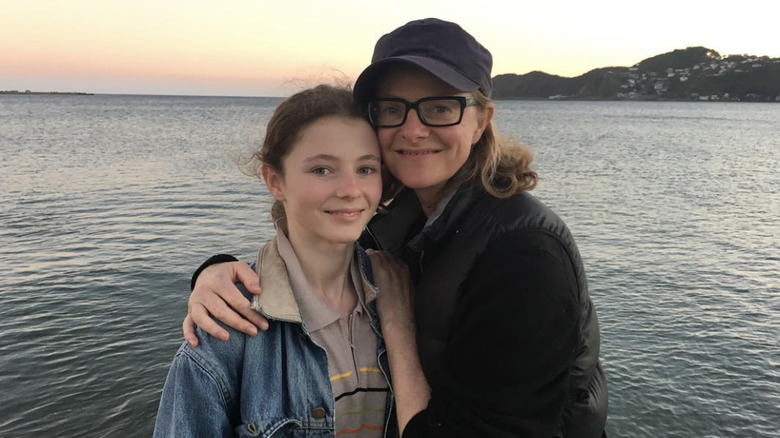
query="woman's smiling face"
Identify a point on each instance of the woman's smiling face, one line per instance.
(424, 158)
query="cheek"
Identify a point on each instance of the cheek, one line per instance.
(476, 134)
(470, 128)
(372, 190)
(459, 141)
(385, 138)
(305, 193)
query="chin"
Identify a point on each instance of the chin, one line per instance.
(345, 237)
(417, 179)
(417, 183)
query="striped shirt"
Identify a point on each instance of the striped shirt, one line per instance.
(359, 387)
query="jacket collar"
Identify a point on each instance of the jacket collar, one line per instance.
(277, 301)
(392, 230)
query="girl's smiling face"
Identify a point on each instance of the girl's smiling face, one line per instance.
(330, 183)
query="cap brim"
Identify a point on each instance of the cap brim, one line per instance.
(366, 83)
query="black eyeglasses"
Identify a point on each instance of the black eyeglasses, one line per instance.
(432, 111)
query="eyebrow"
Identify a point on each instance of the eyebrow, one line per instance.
(370, 157)
(326, 157)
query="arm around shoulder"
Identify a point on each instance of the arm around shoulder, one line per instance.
(213, 260)
(216, 297)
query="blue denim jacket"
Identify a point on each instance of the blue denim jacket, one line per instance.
(273, 385)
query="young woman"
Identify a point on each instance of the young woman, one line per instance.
(507, 336)
(321, 368)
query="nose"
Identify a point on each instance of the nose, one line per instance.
(348, 187)
(413, 128)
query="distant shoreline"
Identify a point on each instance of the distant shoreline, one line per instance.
(633, 99)
(28, 92)
(495, 98)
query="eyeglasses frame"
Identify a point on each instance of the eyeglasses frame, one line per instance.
(463, 100)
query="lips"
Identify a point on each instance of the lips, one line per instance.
(345, 212)
(417, 153)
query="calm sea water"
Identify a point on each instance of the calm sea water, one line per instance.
(108, 203)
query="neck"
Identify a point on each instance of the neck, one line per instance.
(428, 199)
(326, 266)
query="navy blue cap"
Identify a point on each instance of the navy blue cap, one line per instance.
(440, 47)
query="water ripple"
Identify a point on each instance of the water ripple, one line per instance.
(109, 202)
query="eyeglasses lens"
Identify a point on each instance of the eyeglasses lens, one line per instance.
(433, 112)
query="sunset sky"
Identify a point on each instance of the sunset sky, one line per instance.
(274, 47)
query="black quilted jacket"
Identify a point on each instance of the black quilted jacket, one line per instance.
(507, 334)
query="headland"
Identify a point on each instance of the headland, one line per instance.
(691, 74)
(68, 93)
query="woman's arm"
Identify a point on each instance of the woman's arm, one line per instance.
(215, 296)
(506, 366)
(394, 305)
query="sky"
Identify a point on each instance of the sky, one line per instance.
(276, 47)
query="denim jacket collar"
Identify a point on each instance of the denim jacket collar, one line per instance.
(277, 301)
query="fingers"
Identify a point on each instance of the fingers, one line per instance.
(226, 307)
(243, 274)
(216, 291)
(256, 321)
(215, 297)
(201, 318)
(241, 306)
(188, 327)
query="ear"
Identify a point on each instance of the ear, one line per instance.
(483, 121)
(274, 181)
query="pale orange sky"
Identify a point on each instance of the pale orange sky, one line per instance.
(271, 48)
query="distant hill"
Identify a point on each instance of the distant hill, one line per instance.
(28, 92)
(694, 73)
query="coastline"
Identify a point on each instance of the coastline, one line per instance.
(28, 92)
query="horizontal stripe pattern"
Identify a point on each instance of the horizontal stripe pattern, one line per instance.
(341, 376)
(359, 385)
(349, 373)
(342, 414)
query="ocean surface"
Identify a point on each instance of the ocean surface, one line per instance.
(108, 203)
